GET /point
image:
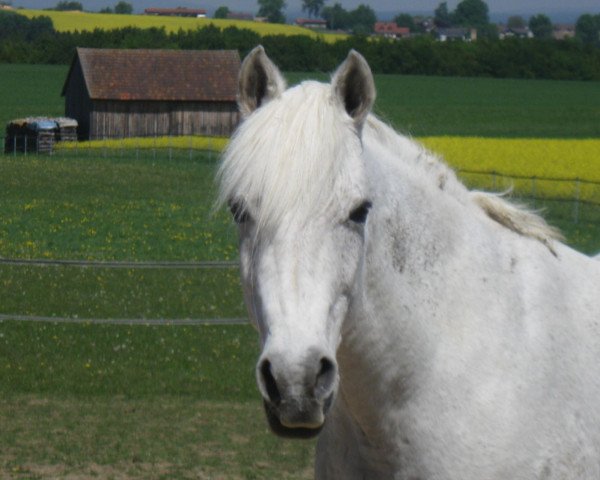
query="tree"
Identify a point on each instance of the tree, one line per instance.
(15, 27)
(405, 20)
(337, 17)
(65, 5)
(272, 10)
(487, 30)
(221, 12)
(105, 10)
(362, 19)
(587, 29)
(441, 16)
(312, 7)
(515, 21)
(541, 26)
(471, 13)
(124, 8)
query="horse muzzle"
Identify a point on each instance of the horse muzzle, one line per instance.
(297, 400)
(286, 420)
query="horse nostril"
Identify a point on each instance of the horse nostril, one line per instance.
(269, 382)
(325, 378)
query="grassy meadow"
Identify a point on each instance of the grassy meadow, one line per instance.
(485, 107)
(136, 402)
(30, 91)
(417, 105)
(166, 401)
(126, 401)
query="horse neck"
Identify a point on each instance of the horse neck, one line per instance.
(414, 235)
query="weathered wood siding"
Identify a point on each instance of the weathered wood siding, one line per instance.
(77, 101)
(118, 119)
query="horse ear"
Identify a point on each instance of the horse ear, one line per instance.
(259, 81)
(354, 86)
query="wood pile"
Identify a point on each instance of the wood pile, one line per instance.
(38, 134)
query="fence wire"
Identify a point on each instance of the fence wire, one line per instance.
(578, 202)
(118, 264)
(126, 321)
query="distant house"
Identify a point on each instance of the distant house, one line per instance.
(391, 30)
(130, 93)
(314, 23)
(562, 31)
(514, 32)
(461, 34)
(176, 12)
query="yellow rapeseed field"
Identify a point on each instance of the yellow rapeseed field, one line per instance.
(536, 166)
(215, 144)
(75, 20)
(552, 158)
(534, 159)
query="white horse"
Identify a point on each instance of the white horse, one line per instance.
(424, 331)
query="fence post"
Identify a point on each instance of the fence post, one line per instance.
(15, 146)
(533, 191)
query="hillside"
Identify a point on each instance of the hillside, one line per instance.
(76, 20)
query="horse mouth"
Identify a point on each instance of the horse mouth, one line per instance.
(306, 424)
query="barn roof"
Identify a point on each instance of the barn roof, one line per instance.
(172, 75)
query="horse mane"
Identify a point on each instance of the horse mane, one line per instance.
(305, 141)
(517, 218)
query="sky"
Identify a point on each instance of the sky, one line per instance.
(558, 10)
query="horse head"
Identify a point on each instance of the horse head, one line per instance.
(294, 178)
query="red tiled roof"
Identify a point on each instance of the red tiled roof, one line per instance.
(200, 75)
(391, 27)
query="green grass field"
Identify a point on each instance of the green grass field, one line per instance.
(83, 400)
(143, 401)
(136, 402)
(113, 208)
(419, 106)
(30, 91)
(486, 107)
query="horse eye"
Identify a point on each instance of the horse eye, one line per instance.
(239, 212)
(359, 214)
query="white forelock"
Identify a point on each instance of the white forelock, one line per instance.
(285, 156)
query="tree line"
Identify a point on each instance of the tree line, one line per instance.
(24, 40)
(468, 13)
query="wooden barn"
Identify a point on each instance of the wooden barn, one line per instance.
(141, 93)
